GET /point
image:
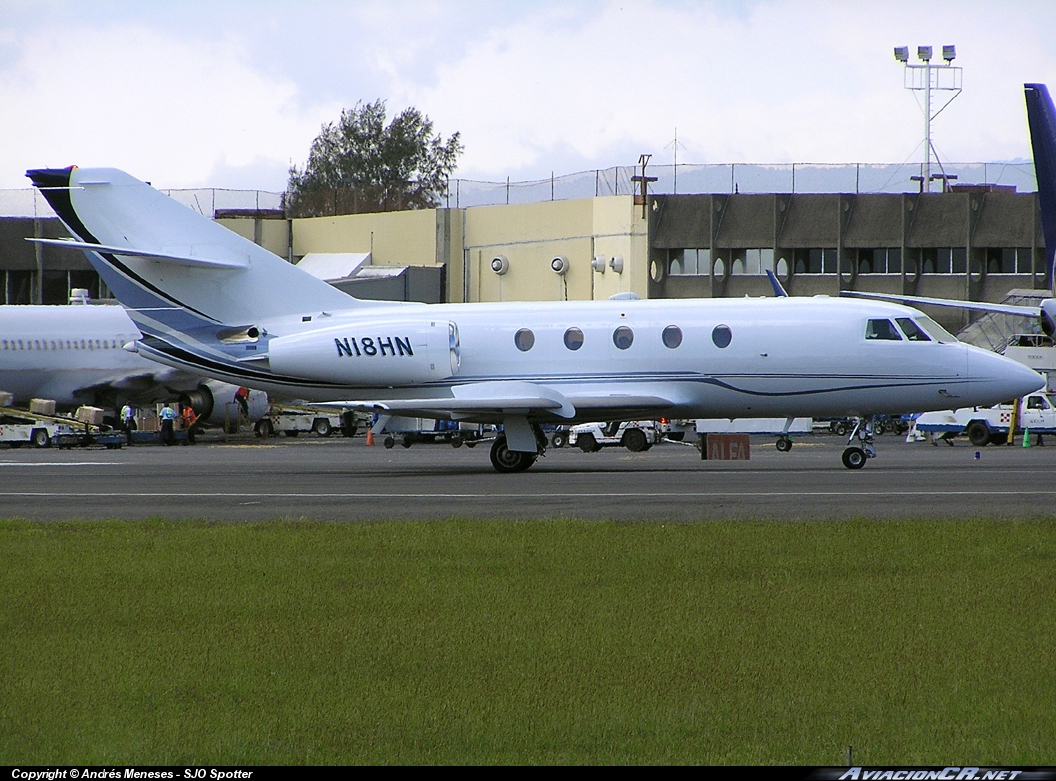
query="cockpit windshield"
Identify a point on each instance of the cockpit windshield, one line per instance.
(882, 329)
(912, 331)
(935, 331)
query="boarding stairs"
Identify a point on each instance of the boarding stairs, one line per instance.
(996, 331)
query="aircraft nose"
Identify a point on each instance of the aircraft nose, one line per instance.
(1007, 379)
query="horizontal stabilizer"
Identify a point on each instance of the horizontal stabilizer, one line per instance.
(235, 264)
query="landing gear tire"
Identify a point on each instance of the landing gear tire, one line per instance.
(784, 444)
(506, 461)
(587, 443)
(854, 458)
(40, 438)
(978, 433)
(322, 427)
(634, 439)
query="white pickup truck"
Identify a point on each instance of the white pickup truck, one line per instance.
(985, 425)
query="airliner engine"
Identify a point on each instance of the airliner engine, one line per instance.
(370, 353)
(214, 403)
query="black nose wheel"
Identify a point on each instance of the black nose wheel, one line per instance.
(854, 458)
(505, 460)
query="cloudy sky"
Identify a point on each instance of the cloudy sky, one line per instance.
(228, 94)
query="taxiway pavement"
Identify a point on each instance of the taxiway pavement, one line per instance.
(343, 480)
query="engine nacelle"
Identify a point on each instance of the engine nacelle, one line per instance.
(216, 403)
(395, 352)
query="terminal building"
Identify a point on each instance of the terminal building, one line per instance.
(975, 242)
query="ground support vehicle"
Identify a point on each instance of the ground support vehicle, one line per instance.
(18, 428)
(990, 425)
(294, 419)
(635, 435)
(424, 431)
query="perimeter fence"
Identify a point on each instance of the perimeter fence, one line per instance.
(683, 179)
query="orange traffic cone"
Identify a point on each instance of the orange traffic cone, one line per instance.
(370, 437)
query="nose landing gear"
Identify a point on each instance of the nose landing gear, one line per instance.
(854, 457)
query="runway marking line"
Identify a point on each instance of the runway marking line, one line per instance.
(64, 463)
(570, 495)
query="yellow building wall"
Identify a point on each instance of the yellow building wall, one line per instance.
(407, 238)
(528, 235)
(274, 234)
(531, 235)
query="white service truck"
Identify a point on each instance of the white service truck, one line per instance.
(989, 425)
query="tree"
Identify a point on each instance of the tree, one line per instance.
(360, 165)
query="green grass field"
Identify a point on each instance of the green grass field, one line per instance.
(552, 641)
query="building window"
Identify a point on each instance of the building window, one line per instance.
(1009, 260)
(751, 262)
(623, 337)
(19, 287)
(524, 339)
(814, 261)
(573, 338)
(672, 336)
(943, 260)
(688, 262)
(880, 260)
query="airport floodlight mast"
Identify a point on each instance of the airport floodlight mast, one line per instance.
(927, 77)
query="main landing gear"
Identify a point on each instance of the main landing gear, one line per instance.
(855, 456)
(506, 461)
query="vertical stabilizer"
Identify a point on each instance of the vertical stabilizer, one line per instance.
(1041, 116)
(163, 259)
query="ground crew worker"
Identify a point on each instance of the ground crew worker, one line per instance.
(190, 422)
(128, 422)
(168, 418)
(242, 397)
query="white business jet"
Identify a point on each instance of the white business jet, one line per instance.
(74, 355)
(212, 302)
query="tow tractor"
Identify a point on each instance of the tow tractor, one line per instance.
(294, 419)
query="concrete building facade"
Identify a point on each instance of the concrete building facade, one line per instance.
(977, 244)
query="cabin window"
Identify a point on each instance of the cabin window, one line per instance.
(722, 336)
(1037, 402)
(524, 339)
(623, 337)
(672, 336)
(912, 331)
(573, 338)
(883, 330)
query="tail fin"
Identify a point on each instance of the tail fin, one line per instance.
(182, 270)
(1041, 116)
